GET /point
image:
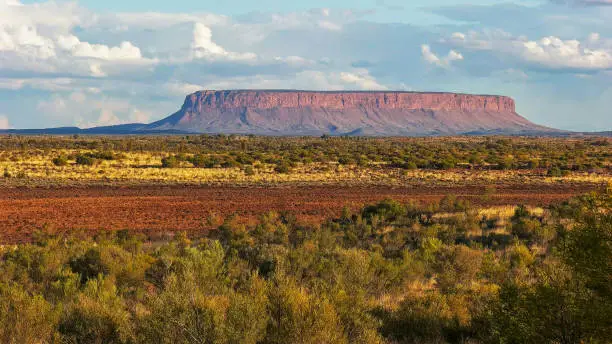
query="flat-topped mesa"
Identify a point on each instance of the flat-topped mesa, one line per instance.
(343, 100)
(368, 113)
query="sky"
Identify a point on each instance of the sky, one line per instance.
(89, 63)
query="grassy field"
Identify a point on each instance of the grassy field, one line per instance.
(302, 161)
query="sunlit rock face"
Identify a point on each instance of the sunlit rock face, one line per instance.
(376, 113)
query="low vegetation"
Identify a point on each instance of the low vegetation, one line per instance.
(253, 160)
(442, 272)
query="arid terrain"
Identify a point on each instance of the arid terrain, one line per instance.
(246, 239)
(164, 185)
(156, 210)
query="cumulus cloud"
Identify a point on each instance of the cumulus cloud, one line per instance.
(86, 110)
(433, 59)
(125, 51)
(24, 40)
(205, 48)
(355, 79)
(38, 38)
(360, 79)
(88, 68)
(551, 52)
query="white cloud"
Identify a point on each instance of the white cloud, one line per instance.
(24, 40)
(444, 62)
(4, 122)
(328, 25)
(38, 38)
(50, 84)
(134, 66)
(125, 51)
(159, 20)
(295, 61)
(204, 47)
(549, 52)
(181, 89)
(357, 79)
(53, 17)
(87, 110)
(360, 79)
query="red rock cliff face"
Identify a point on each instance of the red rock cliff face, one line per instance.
(344, 100)
(284, 112)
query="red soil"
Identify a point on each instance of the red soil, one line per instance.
(157, 209)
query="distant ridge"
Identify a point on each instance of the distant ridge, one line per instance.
(336, 113)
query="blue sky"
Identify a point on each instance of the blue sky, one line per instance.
(90, 62)
(388, 10)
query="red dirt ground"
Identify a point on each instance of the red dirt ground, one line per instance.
(157, 209)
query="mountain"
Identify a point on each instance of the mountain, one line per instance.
(314, 113)
(285, 112)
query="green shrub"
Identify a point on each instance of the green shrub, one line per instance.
(203, 161)
(170, 162)
(382, 275)
(282, 168)
(249, 171)
(89, 265)
(25, 318)
(555, 171)
(61, 160)
(86, 160)
(99, 315)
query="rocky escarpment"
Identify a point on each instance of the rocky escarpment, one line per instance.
(344, 113)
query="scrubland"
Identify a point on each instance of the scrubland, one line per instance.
(238, 239)
(387, 273)
(228, 160)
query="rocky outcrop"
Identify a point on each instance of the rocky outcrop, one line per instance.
(345, 112)
(201, 101)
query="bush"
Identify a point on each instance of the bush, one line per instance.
(249, 171)
(89, 265)
(375, 276)
(524, 226)
(25, 318)
(102, 155)
(61, 160)
(202, 161)
(170, 162)
(98, 316)
(86, 160)
(557, 172)
(387, 210)
(283, 167)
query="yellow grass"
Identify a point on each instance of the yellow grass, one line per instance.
(506, 212)
(36, 165)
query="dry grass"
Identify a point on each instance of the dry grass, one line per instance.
(506, 212)
(35, 167)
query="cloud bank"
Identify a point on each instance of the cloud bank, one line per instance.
(63, 64)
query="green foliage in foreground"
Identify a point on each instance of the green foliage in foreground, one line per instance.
(392, 273)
